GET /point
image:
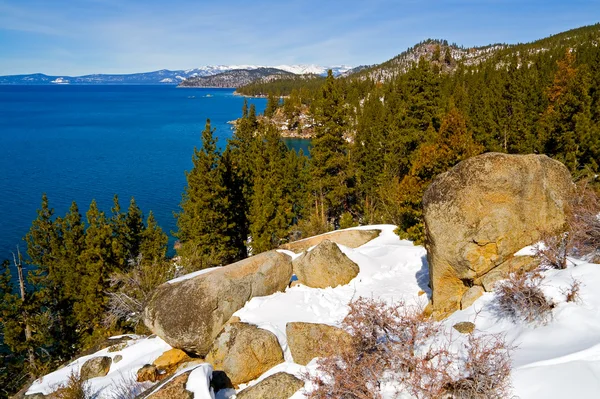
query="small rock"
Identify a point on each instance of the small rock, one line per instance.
(117, 358)
(309, 340)
(464, 327)
(170, 359)
(96, 367)
(244, 352)
(325, 266)
(117, 347)
(148, 373)
(278, 386)
(471, 296)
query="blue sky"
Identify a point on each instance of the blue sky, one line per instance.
(75, 37)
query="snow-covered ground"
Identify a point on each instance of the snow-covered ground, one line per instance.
(558, 360)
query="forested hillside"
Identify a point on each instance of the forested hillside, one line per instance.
(385, 132)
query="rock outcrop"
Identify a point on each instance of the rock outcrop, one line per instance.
(348, 238)
(482, 211)
(277, 386)
(188, 314)
(324, 266)
(172, 389)
(309, 340)
(170, 360)
(96, 367)
(149, 372)
(244, 351)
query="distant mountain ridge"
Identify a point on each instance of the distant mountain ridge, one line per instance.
(236, 78)
(163, 76)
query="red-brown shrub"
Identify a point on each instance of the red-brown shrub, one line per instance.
(581, 237)
(393, 343)
(520, 298)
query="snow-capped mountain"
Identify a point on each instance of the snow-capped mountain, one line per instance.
(163, 76)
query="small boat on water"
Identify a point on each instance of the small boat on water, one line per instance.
(208, 95)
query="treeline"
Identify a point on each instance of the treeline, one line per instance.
(80, 270)
(282, 87)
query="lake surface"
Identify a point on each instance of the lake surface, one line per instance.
(77, 143)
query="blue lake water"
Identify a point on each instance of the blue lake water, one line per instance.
(77, 143)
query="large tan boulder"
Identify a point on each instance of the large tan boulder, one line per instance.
(277, 386)
(324, 266)
(188, 314)
(309, 340)
(244, 351)
(348, 238)
(482, 211)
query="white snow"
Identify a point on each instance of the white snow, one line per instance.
(530, 250)
(199, 382)
(192, 275)
(136, 354)
(557, 360)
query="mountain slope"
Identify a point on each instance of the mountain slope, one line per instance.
(235, 78)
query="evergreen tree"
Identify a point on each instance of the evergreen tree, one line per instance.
(271, 207)
(204, 222)
(570, 136)
(332, 185)
(96, 266)
(153, 246)
(135, 226)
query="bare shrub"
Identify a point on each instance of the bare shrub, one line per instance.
(584, 223)
(581, 237)
(553, 249)
(126, 387)
(396, 343)
(521, 298)
(131, 291)
(571, 293)
(76, 387)
(486, 368)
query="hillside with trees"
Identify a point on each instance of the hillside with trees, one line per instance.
(397, 125)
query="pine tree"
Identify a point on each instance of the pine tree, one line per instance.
(135, 226)
(332, 185)
(268, 216)
(41, 242)
(204, 222)
(272, 105)
(120, 233)
(153, 246)
(569, 132)
(96, 266)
